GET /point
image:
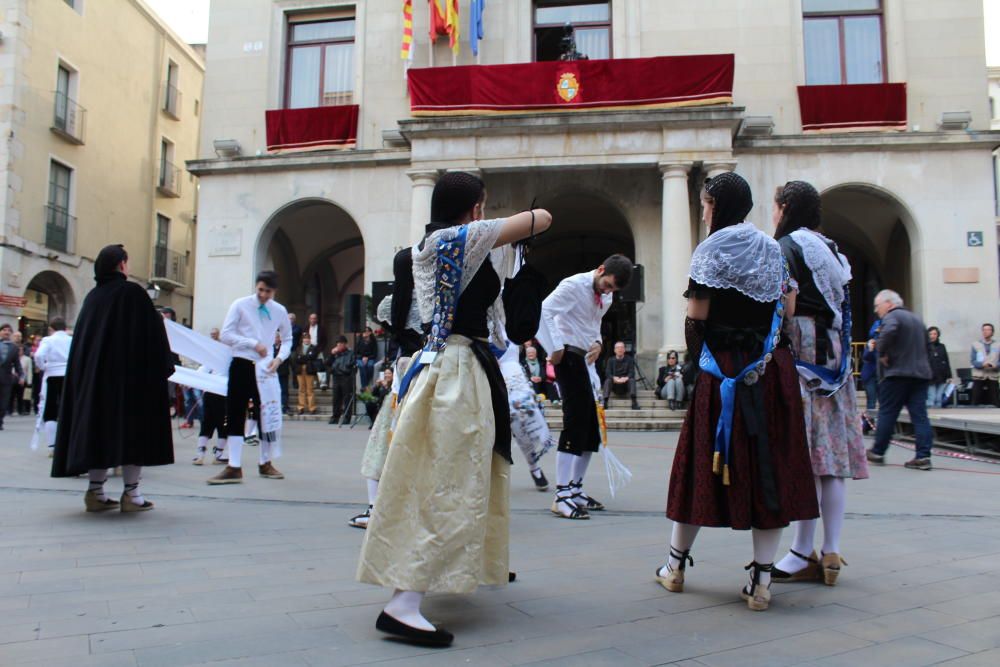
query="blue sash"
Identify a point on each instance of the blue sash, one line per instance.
(448, 279)
(750, 375)
(825, 381)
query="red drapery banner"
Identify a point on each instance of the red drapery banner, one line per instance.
(863, 107)
(580, 85)
(316, 128)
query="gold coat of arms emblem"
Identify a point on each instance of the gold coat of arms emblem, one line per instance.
(568, 87)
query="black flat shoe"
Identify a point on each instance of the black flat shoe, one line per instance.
(390, 626)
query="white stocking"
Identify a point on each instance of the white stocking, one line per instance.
(802, 541)
(765, 547)
(405, 608)
(580, 467)
(372, 490)
(564, 468)
(50, 433)
(682, 538)
(131, 476)
(98, 477)
(235, 451)
(202, 444)
(265, 452)
(832, 505)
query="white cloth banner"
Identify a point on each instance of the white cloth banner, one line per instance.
(214, 355)
(210, 382)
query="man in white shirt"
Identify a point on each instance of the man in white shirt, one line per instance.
(249, 329)
(571, 331)
(50, 359)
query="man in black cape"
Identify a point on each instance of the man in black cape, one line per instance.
(115, 410)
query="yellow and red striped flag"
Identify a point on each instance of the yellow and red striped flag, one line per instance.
(451, 23)
(406, 51)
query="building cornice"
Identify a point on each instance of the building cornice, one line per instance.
(295, 161)
(640, 119)
(168, 32)
(869, 141)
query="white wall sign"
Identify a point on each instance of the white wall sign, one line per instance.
(225, 242)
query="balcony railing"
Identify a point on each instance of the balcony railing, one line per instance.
(170, 180)
(172, 101)
(169, 267)
(58, 223)
(69, 118)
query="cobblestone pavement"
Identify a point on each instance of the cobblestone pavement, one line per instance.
(262, 574)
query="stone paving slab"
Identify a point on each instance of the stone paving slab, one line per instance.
(261, 574)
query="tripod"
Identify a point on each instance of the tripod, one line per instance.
(640, 377)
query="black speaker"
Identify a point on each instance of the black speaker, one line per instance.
(636, 289)
(380, 290)
(353, 318)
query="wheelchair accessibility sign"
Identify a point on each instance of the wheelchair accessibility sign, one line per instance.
(974, 239)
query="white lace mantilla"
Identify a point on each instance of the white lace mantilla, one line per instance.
(479, 242)
(743, 258)
(384, 313)
(831, 272)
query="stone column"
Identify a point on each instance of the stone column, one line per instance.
(420, 203)
(675, 251)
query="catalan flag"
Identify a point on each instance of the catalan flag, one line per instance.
(406, 51)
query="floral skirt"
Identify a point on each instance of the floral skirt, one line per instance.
(442, 518)
(833, 425)
(698, 496)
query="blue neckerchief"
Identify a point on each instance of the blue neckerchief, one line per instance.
(263, 312)
(448, 280)
(828, 382)
(749, 375)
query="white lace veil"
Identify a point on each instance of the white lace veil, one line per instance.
(743, 258)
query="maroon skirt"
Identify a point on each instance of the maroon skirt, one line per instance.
(698, 496)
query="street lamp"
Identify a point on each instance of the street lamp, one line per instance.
(153, 290)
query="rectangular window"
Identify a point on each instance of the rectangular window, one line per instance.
(58, 219)
(61, 121)
(843, 41)
(171, 93)
(162, 245)
(572, 30)
(320, 65)
(169, 182)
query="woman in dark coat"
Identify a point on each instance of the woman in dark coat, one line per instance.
(115, 410)
(741, 459)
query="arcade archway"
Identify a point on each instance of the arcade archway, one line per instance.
(318, 251)
(591, 228)
(49, 295)
(873, 229)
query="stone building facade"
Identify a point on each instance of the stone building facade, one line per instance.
(99, 109)
(912, 205)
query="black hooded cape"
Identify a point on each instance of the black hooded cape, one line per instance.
(115, 410)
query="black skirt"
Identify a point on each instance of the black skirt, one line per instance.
(581, 430)
(53, 398)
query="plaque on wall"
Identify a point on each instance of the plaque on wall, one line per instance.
(225, 242)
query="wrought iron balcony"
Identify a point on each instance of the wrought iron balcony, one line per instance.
(58, 223)
(169, 267)
(170, 179)
(172, 101)
(69, 118)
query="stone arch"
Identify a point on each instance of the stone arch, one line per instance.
(878, 233)
(313, 243)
